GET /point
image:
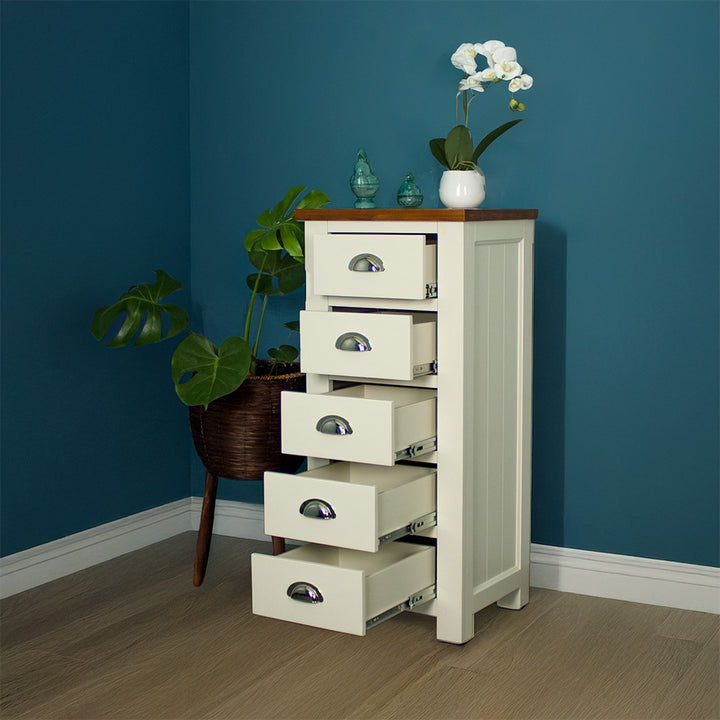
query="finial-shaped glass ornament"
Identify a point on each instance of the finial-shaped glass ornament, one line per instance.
(363, 183)
(409, 194)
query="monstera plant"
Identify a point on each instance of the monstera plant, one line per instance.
(202, 371)
(234, 397)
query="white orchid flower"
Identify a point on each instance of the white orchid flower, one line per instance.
(474, 82)
(464, 58)
(524, 82)
(488, 74)
(506, 65)
(502, 64)
(488, 49)
(508, 70)
(504, 54)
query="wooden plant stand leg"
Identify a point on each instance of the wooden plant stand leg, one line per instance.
(205, 530)
(278, 545)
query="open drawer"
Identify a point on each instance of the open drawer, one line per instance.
(350, 505)
(375, 266)
(343, 590)
(376, 424)
(390, 346)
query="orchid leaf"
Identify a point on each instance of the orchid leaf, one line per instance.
(437, 148)
(215, 372)
(143, 312)
(458, 146)
(482, 146)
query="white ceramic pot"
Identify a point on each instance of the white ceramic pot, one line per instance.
(462, 189)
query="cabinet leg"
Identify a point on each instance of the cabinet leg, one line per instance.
(515, 600)
(205, 531)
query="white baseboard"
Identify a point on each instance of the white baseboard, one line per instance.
(58, 558)
(622, 577)
(654, 582)
(232, 518)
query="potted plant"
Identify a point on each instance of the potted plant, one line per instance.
(463, 183)
(232, 394)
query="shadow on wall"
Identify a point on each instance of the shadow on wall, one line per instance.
(549, 385)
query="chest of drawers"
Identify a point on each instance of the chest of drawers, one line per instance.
(417, 344)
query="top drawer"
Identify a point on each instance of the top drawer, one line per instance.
(401, 267)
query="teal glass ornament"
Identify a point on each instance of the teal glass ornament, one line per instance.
(409, 194)
(363, 182)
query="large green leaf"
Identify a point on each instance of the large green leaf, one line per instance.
(277, 250)
(271, 241)
(284, 353)
(251, 239)
(437, 148)
(280, 211)
(458, 146)
(143, 312)
(314, 199)
(290, 276)
(266, 260)
(265, 218)
(265, 286)
(482, 146)
(215, 372)
(291, 236)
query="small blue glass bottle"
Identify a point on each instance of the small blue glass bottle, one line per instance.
(409, 194)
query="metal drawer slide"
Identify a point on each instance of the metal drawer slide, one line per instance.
(422, 596)
(419, 448)
(422, 523)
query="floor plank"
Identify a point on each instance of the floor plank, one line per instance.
(133, 638)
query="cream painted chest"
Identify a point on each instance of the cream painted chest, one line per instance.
(417, 344)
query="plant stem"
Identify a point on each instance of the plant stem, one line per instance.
(248, 319)
(260, 323)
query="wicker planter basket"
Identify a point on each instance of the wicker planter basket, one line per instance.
(238, 436)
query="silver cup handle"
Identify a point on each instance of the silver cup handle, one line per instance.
(317, 509)
(333, 425)
(304, 592)
(366, 262)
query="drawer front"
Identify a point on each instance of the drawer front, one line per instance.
(369, 435)
(374, 266)
(374, 345)
(336, 589)
(342, 426)
(347, 504)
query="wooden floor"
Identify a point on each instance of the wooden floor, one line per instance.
(132, 638)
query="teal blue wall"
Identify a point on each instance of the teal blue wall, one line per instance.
(95, 193)
(619, 151)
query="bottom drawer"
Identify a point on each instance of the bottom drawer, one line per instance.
(344, 590)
